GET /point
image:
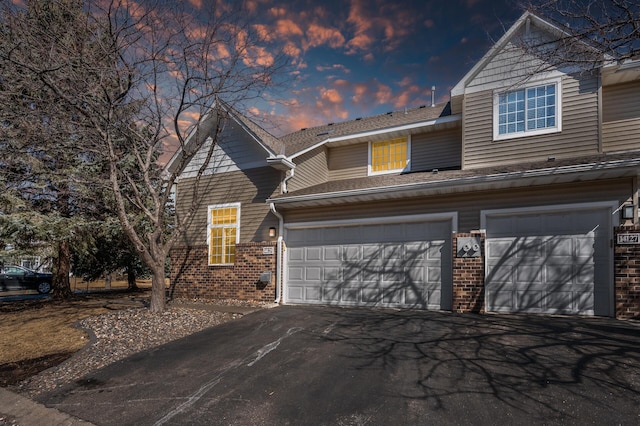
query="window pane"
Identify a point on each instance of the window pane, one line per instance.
(389, 155)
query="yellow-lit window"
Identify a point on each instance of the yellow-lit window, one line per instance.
(389, 155)
(224, 225)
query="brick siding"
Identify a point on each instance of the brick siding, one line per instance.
(468, 278)
(193, 278)
(627, 275)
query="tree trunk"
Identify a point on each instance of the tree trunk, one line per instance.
(61, 286)
(158, 291)
(107, 281)
(131, 279)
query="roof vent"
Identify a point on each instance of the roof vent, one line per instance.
(390, 113)
(359, 118)
(324, 133)
(330, 124)
(304, 128)
(422, 106)
(433, 96)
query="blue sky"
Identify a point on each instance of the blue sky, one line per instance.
(356, 58)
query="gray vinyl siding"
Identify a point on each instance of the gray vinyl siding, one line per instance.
(468, 206)
(621, 117)
(311, 169)
(511, 66)
(235, 150)
(456, 104)
(579, 135)
(435, 150)
(249, 187)
(349, 161)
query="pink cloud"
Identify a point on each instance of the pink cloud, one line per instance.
(331, 95)
(286, 28)
(318, 35)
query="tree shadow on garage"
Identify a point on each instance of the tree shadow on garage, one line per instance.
(541, 274)
(539, 366)
(404, 274)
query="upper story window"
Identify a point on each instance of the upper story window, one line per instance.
(223, 228)
(392, 155)
(532, 110)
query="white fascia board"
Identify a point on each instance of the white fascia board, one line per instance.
(468, 183)
(440, 120)
(249, 132)
(281, 162)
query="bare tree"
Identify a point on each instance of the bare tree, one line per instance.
(592, 31)
(147, 78)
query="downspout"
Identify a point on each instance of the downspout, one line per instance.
(284, 182)
(279, 250)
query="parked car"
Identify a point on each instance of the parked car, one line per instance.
(18, 278)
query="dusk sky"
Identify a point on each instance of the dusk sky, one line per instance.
(357, 58)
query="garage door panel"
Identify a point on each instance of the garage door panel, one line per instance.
(529, 274)
(331, 273)
(529, 300)
(352, 253)
(500, 273)
(313, 253)
(559, 273)
(560, 302)
(295, 273)
(388, 264)
(500, 300)
(560, 262)
(332, 253)
(498, 249)
(560, 247)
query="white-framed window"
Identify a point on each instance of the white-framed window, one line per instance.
(389, 156)
(223, 233)
(531, 110)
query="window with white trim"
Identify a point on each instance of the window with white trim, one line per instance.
(223, 233)
(532, 110)
(389, 156)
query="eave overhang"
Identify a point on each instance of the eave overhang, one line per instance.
(280, 162)
(538, 177)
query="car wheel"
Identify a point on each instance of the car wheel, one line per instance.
(44, 287)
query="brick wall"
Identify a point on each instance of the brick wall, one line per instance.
(192, 277)
(627, 275)
(468, 278)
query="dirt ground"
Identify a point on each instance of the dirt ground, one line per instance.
(38, 334)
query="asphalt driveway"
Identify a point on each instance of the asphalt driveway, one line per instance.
(335, 366)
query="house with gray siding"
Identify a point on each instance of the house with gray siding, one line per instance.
(518, 195)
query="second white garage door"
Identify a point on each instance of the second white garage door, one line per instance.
(400, 264)
(550, 261)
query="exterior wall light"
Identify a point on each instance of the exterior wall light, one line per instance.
(628, 211)
(272, 232)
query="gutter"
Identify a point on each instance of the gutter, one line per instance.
(279, 250)
(467, 184)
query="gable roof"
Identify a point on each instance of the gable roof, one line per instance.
(526, 19)
(272, 145)
(297, 143)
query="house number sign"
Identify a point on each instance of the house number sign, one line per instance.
(628, 238)
(267, 250)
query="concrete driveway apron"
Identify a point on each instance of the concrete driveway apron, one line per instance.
(296, 365)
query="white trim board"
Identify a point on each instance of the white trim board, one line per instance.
(613, 205)
(427, 217)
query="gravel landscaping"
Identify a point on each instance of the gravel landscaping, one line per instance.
(121, 333)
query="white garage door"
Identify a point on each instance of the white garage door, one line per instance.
(553, 262)
(392, 264)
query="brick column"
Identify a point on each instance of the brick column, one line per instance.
(627, 275)
(468, 278)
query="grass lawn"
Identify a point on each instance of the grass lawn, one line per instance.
(38, 334)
